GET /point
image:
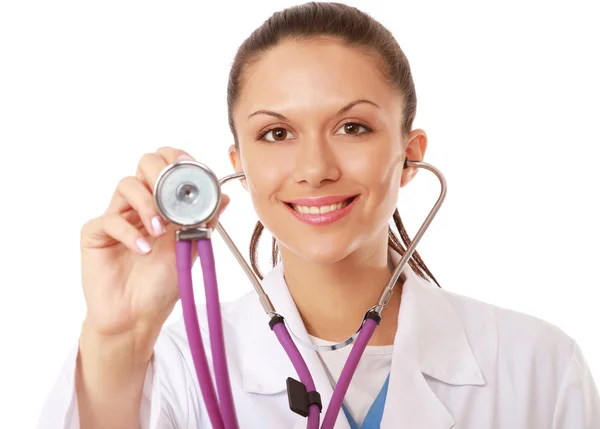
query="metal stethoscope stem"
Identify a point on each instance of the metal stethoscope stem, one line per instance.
(188, 194)
(262, 296)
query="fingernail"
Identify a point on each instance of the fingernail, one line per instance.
(143, 245)
(184, 157)
(157, 225)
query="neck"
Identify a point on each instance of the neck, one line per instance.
(332, 299)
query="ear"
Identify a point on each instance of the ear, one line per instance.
(236, 163)
(416, 144)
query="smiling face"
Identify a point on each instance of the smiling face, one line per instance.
(320, 141)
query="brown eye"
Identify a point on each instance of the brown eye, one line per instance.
(277, 135)
(353, 129)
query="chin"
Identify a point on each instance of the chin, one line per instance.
(322, 250)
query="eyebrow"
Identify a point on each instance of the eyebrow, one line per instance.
(342, 110)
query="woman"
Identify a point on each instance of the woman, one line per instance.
(321, 105)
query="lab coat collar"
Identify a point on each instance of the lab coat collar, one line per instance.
(429, 327)
(430, 340)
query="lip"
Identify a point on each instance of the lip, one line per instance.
(322, 218)
(319, 201)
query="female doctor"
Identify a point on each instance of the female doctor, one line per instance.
(321, 104)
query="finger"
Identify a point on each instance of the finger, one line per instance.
(137, 195)
(110, 229)
(129, 214)
(171, 155)
(149, 168)
(117, 204)
(224, 203)
(151, 165)
(133, 218)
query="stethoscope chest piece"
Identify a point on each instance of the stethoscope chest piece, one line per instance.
(187, 194)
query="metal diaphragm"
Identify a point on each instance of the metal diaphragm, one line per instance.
(187, 193)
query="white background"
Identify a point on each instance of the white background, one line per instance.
(508, 94)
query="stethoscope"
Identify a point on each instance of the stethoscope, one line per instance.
(188, 194)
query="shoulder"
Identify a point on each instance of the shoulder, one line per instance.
(507, 321)
(523, 357)
(512, 339)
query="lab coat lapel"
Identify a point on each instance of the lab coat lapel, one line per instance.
(266, 366)
(430, 342)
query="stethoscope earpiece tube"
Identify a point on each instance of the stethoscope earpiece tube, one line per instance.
(387, 292)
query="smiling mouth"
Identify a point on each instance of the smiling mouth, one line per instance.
(327, 208)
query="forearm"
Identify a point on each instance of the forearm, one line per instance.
(110, 378)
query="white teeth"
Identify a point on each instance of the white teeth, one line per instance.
(320, 210)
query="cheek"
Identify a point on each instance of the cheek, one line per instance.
(385, 193)
(379, 170)
(266, 171)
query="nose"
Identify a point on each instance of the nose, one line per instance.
(315, 163)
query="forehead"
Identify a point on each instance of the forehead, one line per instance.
(307, 74)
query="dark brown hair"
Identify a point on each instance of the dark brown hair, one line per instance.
(354, 28)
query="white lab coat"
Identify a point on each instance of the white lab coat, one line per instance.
(457, 363)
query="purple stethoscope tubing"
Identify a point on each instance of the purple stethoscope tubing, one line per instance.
(221, 411)
(301, 369)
